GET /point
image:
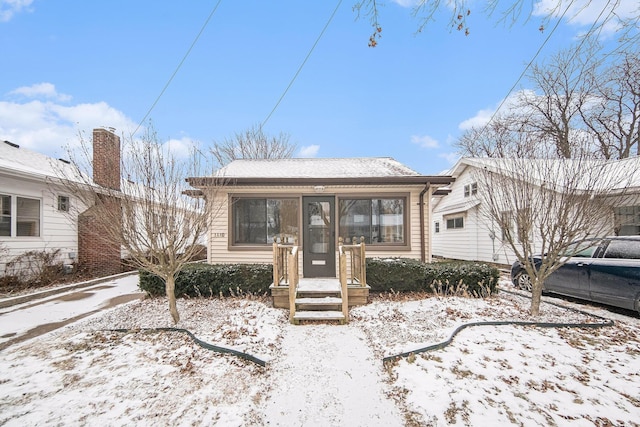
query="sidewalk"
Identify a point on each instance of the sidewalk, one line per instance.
(20, 299)
(31, 315)
(328, 376)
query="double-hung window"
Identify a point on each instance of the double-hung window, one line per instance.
(257, 221)
(19, 216)
(382, 221)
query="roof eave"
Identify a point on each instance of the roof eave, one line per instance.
(387, 180)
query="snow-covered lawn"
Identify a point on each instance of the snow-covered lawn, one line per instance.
(326, 375)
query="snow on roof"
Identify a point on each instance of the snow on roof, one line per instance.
(603, 174)
(22, 161)
(317, 168)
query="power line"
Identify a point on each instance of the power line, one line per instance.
(302, 65)
(524, 71)
(179, 66)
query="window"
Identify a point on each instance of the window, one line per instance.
(19, 216)
(436, 226)
(627, 220)
(259, 221)
(63, 203)
(625, 249)
(5, 215)
(28, 217)
(453, 223)
(471, 189)
(380, 221)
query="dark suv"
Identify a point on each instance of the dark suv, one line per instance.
(603, 270)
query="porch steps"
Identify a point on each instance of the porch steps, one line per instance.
(316, 315)
(319, 300)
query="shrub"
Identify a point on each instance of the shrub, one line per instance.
(444, 278)
(206, 280)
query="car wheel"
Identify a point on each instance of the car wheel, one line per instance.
(523, 281)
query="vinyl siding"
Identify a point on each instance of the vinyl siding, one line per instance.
(57, 229)
(219, 237)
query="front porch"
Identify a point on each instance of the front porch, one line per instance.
(319, 298)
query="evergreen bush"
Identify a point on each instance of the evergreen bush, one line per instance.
(207, 280)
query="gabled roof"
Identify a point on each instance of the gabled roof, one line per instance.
(318, 171)
(611, 174)
(22, 162)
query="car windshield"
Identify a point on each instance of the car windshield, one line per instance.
(582, 249)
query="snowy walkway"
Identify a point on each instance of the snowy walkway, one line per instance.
(328, 376)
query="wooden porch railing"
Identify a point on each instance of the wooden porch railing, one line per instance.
(285, 272)
(356, 274)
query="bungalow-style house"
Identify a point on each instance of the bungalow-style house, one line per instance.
(37, 212)
(315, 201)
(460, 229)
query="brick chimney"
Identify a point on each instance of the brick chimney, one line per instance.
(106, 159)
(97, 255)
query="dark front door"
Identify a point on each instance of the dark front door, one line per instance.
(319, 259)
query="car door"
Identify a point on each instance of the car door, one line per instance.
(615, 278)
(572, 279)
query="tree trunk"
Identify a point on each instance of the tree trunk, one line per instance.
(536, 296)
(171, 295)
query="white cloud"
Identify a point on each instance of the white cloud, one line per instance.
(584, 13)
(41, 90)
(483, 116)
(8, 8)
(406, 3)
(424, 141)
(309, 151)
(179, 148)
(452, 158)
(49, 127)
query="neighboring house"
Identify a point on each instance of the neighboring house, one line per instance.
(315, 201)
(461, 231)
(37, 213)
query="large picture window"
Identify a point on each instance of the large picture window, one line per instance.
(381, 220)
(19, 216)
(258, 221)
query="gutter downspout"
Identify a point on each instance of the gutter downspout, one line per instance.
(423, 245)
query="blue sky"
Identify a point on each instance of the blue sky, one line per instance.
(72, 65)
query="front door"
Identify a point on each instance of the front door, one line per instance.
(319, 259)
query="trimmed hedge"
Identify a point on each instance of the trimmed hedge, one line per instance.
(207, 280)
(445, 278)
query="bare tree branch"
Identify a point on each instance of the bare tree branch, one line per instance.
(252, 144)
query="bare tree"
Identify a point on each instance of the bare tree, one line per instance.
(613, 113)
(158, 226)
(252, 144)
(546, 206)
(561, 88)
(507, 12)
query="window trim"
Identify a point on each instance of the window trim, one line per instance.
(13, 217)
(64, 205)
(470, 189)
(406, 218)
(454, 218)
(231, 245)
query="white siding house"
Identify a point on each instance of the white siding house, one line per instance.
(315, 201)
(460, 230)
(34, 212)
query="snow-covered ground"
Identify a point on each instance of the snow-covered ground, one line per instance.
(326, 375)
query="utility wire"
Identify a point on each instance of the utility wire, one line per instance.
(302, 65)
(522, 74)
(184, 58)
